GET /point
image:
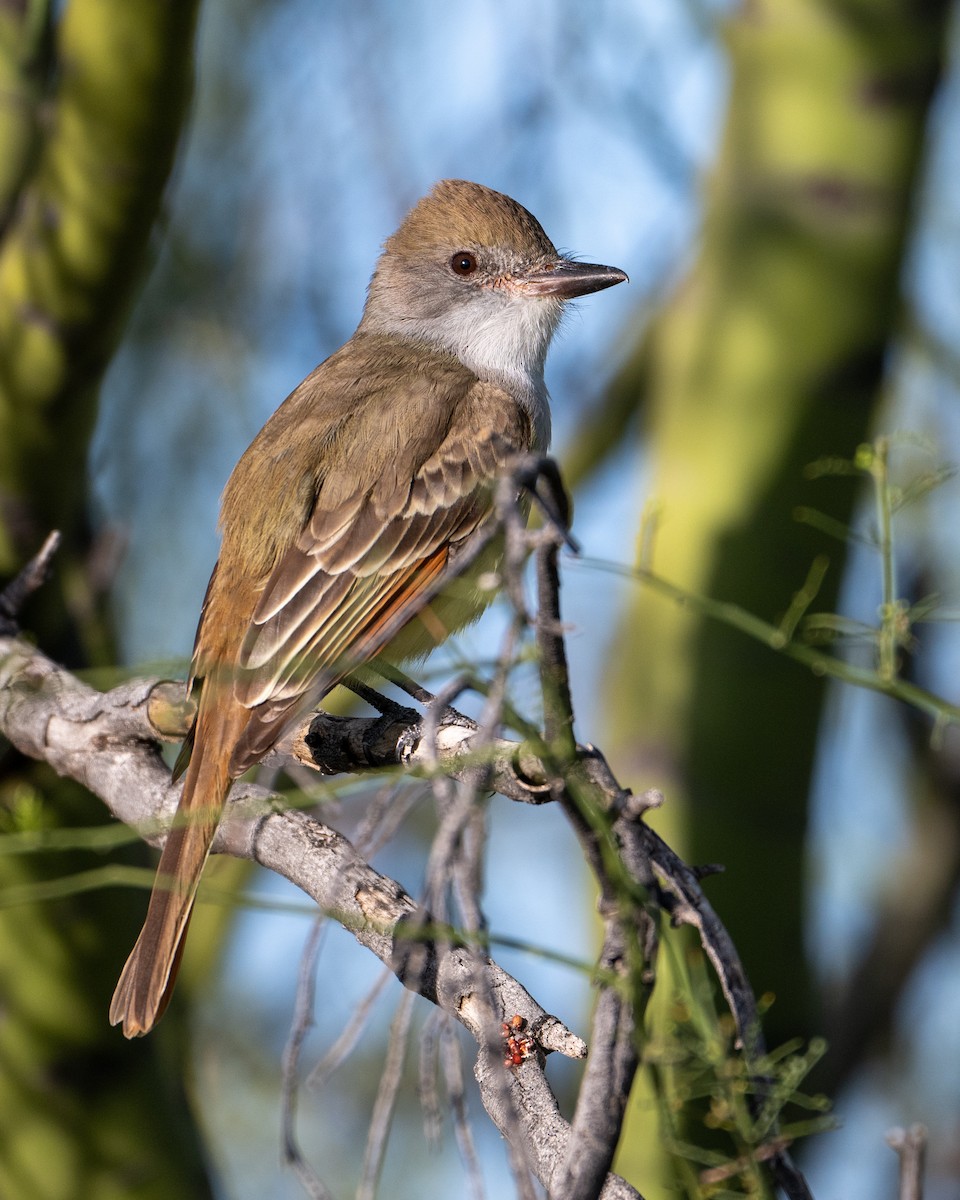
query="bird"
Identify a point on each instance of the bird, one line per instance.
(356, 497)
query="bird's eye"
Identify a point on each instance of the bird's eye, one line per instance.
(463, 263)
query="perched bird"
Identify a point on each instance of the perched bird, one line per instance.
(351, 502)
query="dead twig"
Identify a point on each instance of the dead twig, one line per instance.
(22, 586)
(911, 1147)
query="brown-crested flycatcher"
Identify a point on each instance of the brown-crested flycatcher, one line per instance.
(351, 501)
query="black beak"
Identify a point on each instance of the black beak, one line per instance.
(566, 279)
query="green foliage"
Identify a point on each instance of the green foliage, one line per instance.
(893, 634)
(717, 1124)
(721, 1115)
(799, 633)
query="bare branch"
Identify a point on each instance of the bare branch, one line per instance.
(386, 1102)
(911, 1145)
(627, 966)
(32, 577)
(453, 1076)
(343, 745)
(107, 742)
(303, 1019)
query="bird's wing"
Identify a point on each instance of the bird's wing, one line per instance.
(360, 570)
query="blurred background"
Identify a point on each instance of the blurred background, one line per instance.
(191, 207)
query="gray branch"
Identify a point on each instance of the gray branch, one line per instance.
(108, 742)
(911, 1146)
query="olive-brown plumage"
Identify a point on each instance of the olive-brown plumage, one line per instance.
(354, 498)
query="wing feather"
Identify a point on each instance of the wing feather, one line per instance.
(363, 563)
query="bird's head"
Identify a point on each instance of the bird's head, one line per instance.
(470, 271)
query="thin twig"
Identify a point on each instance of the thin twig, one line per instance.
(911, 1146)
(452, 1063)
(386, 1102)
(299, 1027)
(23, 585)
(614, 1056)
(386, 811)
(428, 1089)
(468, 869)
(350, 1034)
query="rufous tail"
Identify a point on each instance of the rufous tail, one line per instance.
(146, 982)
